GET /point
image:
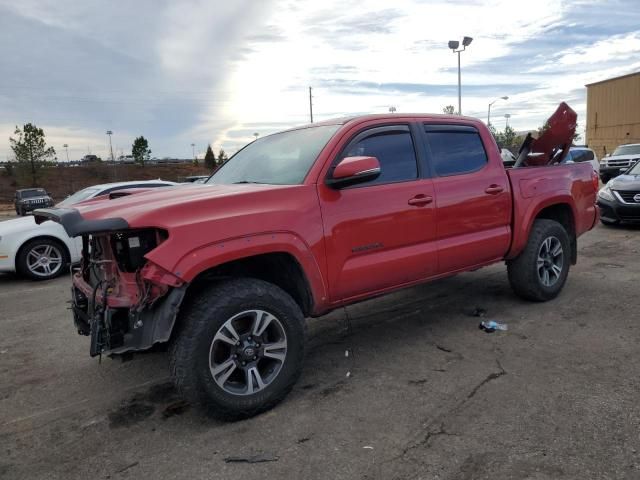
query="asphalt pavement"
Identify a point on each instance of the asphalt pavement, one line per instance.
(401, 387)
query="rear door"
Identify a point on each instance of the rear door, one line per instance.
(473, 198)
(380, 234)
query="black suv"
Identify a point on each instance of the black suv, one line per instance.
(28, 199)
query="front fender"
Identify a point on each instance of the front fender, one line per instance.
(212, 255)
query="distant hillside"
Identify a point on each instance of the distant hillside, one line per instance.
(61, 181)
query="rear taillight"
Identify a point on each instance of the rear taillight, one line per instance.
(595, 180)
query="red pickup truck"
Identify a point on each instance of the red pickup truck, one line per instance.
(311, 219)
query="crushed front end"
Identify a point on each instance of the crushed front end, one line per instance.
(123, 301)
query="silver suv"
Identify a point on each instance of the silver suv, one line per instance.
(622, 158)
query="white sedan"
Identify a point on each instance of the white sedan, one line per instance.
(44, 251)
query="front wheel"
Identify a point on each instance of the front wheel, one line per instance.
(239, 348)
(541, 270)
(42, 259)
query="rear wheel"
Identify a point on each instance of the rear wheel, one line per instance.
(239, 348)
(42, 259)
(541, 270)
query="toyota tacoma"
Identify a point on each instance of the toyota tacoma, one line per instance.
(302, 222)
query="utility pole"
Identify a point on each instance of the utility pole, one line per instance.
(310, 105)
(66, 147)
(109, 132)
(193, 150)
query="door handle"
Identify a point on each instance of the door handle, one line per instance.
(420, 200)
(494, 189)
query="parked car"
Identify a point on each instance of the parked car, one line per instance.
(508, 158)
(26, 200)
(622, 158)
(196, 178)
(619, 199)
(583, 154)
(332, 213)
(42, 252)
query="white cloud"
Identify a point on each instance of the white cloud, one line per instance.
(217, 71)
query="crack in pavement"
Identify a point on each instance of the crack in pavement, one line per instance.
(441, 418)
(488, 378)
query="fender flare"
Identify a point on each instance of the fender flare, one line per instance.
(522, 226)
(214, 254)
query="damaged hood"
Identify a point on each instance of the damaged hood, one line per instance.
(162, 207)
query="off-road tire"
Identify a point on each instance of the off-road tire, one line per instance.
(196, 327)
(21, 259)
(523, 270)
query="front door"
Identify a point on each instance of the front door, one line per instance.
(380, 234)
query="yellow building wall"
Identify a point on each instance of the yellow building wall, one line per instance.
(613, 113)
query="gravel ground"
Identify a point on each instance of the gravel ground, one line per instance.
(422, 394)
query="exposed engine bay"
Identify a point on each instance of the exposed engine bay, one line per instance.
(121, 292)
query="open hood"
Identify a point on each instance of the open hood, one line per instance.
(553, 145)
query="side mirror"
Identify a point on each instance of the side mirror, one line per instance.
(353, 170)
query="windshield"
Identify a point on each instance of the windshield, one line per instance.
(279, 159)
(78, 197)
(635, 170)
(627, 150)
(32, 193)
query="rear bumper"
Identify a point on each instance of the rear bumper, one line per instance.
(617, 212)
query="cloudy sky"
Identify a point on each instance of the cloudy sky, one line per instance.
(216, 71)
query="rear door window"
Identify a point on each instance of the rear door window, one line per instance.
(455, 149)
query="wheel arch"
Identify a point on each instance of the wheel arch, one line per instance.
(560, 208)
(564, 215)
(279, 268)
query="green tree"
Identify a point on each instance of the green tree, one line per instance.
(31, 151)
(222, 157)
(449, 110)
(209, 158)
(140, 150)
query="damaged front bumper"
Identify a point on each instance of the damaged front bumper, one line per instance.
(115, 329)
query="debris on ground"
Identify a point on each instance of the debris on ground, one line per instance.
(258, 458)
(368, 447)
(491, 326)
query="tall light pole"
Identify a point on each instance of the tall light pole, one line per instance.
(310, 105)
(109, 132)
(454, 46)
(193, 150)
(66, 148)
(507, 116)
(256, 134)
(489, 111)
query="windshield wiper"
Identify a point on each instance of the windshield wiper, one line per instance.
(247, 181)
